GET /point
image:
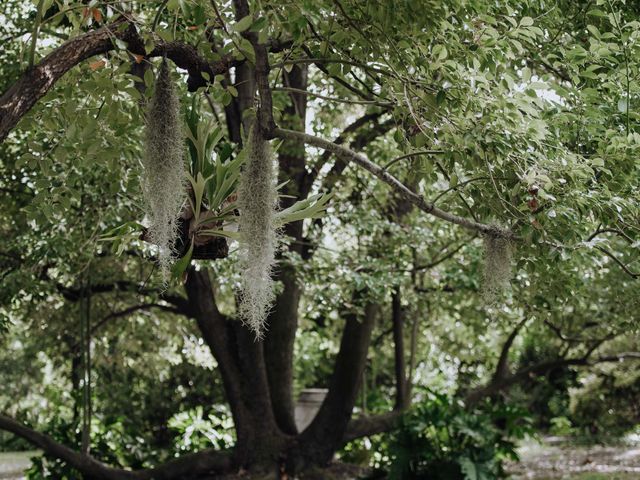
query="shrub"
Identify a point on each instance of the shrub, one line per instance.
(441, 439)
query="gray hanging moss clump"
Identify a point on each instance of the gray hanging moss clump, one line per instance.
(164, 172)
(258, 202)
(497, 265)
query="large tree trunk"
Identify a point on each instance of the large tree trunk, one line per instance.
(283, 321)
(241, 365)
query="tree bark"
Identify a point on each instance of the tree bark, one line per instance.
(243, 373)
(283, 320)
(398, 349)
(38, 80)
(371, 425)
(398, 187)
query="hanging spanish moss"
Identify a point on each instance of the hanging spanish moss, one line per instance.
(164, 175)
(258, 201)
(497, 265)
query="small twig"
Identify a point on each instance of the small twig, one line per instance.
(610, 230)
(412, 154)
(333, 99)
(219, 17)
(458, 185)
(34, 36)
(156, 19)
(619, 262)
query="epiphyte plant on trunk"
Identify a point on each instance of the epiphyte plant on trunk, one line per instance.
(225, 198)
(241, 190)
(163, 181)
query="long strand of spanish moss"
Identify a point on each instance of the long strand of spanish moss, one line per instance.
(497, 265)
(258, 203)
(164, 174)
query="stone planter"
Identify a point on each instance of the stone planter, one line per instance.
(308, 405)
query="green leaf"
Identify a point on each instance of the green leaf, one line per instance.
(220, 233)
(469, 469)
(259, 24)
(198, 192)
(149, 45)
(182, 264)
(263, 36)
(526, 22)
(312, 207)
(596, 12)
(623, 105)
(453, 181)
(243, 24)
(247, 50)
(174, 5)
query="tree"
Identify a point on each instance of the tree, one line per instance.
(513, 124)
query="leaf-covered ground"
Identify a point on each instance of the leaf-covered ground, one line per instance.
(558, 459)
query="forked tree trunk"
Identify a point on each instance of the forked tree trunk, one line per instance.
(241, 365)
(283, 320)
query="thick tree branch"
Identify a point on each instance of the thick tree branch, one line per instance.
(400, 188)
(522, 375)
(83, 463)
(502, 367)
(241, 366)
(371, 425)
(37, 81)
(261, 70)
(187, 466)
(283, 318)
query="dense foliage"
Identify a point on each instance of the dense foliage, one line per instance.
(441, 439)
(462, 215)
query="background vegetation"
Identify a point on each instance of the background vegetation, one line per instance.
(459, 234)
